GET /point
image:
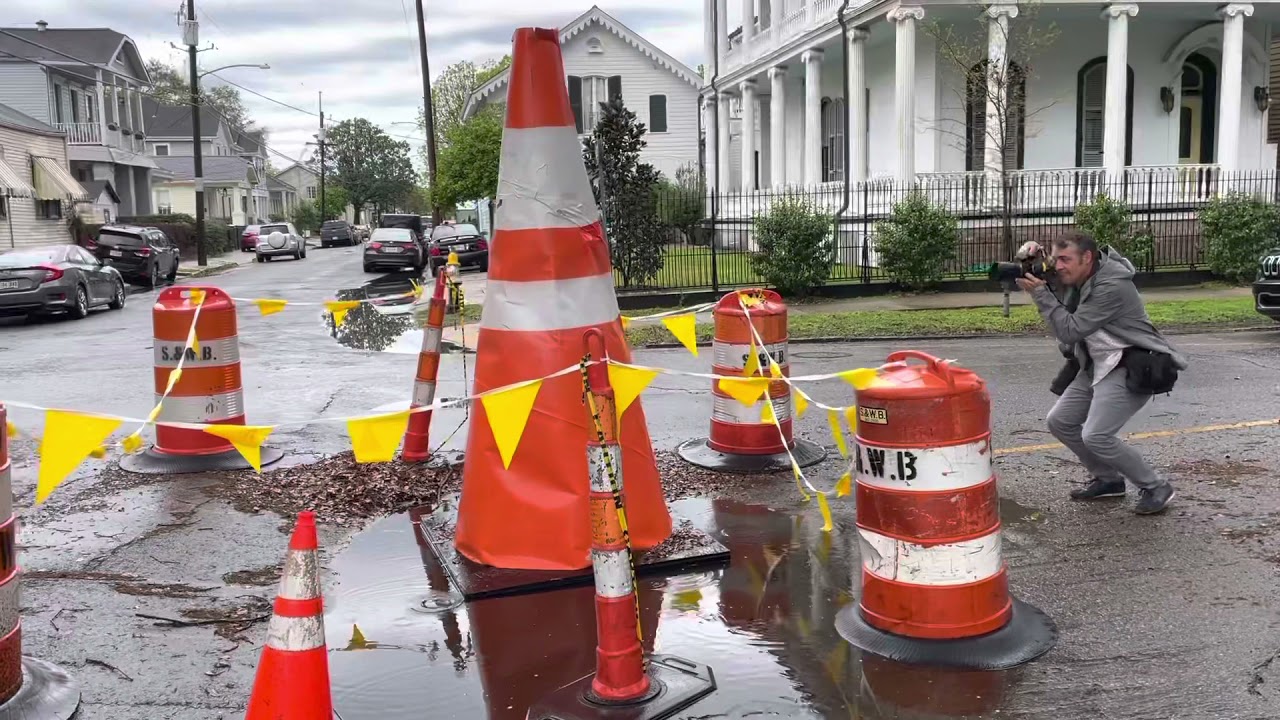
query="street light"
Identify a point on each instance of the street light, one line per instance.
(262, 66)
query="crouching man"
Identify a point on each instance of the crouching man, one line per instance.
(1123, 360)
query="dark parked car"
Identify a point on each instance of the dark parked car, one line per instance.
(56, 279)
(1266, 289)
(249, 238)
(395, 248)
(140, 254)
(465, 240)
(336, 232)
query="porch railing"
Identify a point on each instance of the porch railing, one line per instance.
(81, 133)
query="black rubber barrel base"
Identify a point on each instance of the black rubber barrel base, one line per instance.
(1028, 635)
(698, 452)
(152, 462)
(47, 693)
(675, 685)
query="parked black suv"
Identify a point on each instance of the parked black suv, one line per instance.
(336, 232)
(1266, 289)
(138, 253)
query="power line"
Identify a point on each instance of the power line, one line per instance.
(264, 97)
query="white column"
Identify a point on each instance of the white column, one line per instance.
(1114, 123)
(1230, 92)
(777, 13)
(998, 135)
(726, 107)
(748, 22)
(722, 29)
(748, 135)
(102, 109)
(904, 91)
(128, 107)
(812, 60)
(857, 142)
(708, 40)
(778, 123)
(712, 148)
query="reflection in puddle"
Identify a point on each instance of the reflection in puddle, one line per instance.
(765, 624)
(387, 325)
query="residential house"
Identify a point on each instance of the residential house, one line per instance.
(306, 184)
(604, 58)
(1138, 94)
(228, 187)
(252, 146)
(103, 205)
(88, 83)
(283, 198)
(37, 191)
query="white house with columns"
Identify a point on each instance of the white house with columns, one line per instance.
(1128, 89)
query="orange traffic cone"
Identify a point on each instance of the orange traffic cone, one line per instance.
(550, 279)
(293, 673)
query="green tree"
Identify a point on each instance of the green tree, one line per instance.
(305, 217)
(490, 69)
(624, 188)
(449, 94)
(169, 85)
(468, 165)
(367, 163)
(682, 204)
(335, 202)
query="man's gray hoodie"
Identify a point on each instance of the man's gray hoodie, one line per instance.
(1109, 300)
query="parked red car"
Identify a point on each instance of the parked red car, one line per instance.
(249, 238)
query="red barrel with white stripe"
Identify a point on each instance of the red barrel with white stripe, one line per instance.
(927, 507)
(736, 428)
(210, 388)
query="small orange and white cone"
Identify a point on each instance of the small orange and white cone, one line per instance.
(293, 673)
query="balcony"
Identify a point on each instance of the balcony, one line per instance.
(81, 133)
(797, 18)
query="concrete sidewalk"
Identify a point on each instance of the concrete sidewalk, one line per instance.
(217, 264)
(954, 301)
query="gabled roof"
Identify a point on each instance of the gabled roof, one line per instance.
(275, 183)
(301, 167)
(95, 46)
(11, 118)
(250, 143)
(174, 121)
(596, 16)
(217, 169)
(95, 188)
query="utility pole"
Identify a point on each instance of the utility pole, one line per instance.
(191, 36)
(428, 113)
(323, 216)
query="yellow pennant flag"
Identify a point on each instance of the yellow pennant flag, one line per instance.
(508, 412)
(749, 300)
(197, 296)
(801, 401)
(99, 452)
(269, 306)
(626, 322)
(795, 470)
(339, 309)
(375, 438)
(155, 413)
(358, 642)
(833, 419)
(860, 379)
(69, 438)
(11, 428)
(825, 509)
(843, 485)
(767, 414)
(775, 369)
(745, 390)
(752, 366)
(851, 416)
(685, 328)
(174, 376)
(133, 443)
(192, 341)
(628, 383)
(247, 440)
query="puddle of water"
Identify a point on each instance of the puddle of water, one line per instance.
(764, 623)
(385, 325)
(1012, 513)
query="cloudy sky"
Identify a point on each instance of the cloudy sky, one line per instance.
(361, 53)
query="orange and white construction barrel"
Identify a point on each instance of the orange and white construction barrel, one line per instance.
(209, 389)
(742, 437)
(29, 688)
(417, 434)
(935, 589)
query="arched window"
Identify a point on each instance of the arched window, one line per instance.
(1091, 108)
(833, 144)
(1011, 134)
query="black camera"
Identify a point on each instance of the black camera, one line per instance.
(1032, 260)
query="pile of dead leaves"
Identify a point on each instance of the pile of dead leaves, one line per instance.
(341, 491)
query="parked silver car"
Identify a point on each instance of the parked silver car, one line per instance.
(56, 279)
(280, 239)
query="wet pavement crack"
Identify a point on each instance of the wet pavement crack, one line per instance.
(1256, 680)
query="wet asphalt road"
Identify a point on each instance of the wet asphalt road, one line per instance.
(1167, 617)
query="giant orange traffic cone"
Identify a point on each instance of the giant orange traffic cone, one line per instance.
(550, 279)
(293, 673)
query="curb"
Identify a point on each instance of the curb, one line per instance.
(199, 272)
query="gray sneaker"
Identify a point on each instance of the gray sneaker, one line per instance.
(1154, 500)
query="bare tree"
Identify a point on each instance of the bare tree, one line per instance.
(992, 61)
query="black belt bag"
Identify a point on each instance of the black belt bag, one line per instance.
(1149, 372)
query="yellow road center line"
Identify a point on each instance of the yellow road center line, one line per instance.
(1148, 435)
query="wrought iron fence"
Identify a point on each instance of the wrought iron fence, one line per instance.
(709, 238)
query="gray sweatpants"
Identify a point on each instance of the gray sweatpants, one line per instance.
(1088, 419)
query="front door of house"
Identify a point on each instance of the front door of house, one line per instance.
(1189, 127)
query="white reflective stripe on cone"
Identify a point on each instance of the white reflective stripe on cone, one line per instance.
(201, 408)
(735, 356)
(431, 339)
(597, 470)
(295, 633)
(301, 577)
(545, 305)
(924, 469)
(223, 351)
(10, 604)
(6, 492)
(543, 183)
(424, 393)
(731, 411)
(948, 564)
(613, 573)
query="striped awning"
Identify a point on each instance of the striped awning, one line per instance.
(12, 185)
(54, 182)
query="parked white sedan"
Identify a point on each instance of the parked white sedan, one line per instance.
(280, 239)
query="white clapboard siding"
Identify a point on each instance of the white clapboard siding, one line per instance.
(24, 88)
(28, 231)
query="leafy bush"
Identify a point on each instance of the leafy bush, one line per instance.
(1237, 230)
(157, 220)
(794, 246)
(1107, 220)
(682, 204)
(916, 242)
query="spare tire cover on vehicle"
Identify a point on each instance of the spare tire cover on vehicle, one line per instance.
(276, 240)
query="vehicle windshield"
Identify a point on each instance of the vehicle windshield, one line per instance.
(331, 224)
(251, 228)
(448, 231)
(392, 235)
(268, 229)
(34, 256)
(112, 238)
